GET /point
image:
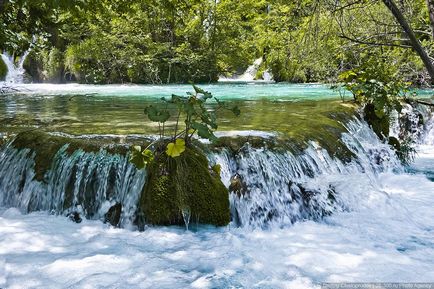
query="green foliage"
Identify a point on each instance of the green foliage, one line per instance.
(198, 118)
(157, 115)
(3, 70)
(34, 66)
(175, 149)
(376, 84)
(179, 178)
(141, 158)
(53, 65)
(196, 41)
(377, 87)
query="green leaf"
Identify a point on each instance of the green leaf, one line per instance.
(136, 157)
(189, 108)
(206, 94)
(347, 76)
(203, 131)
(175, 149)
(157, 115)
(209, 118)
(141, 158)
(148, 156)
(176, 99)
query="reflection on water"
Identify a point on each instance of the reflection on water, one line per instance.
(92, 114)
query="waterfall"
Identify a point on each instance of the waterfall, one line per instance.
(250, 74)
(87, 183)
(15, 72)
(280, 188)
(269, 186)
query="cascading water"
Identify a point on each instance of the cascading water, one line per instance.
(378, 222)
(277, 187)
(87, 183)
(15, 73)
(280, 188)
(250, 74)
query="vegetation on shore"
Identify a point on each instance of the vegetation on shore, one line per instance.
(143, 41)
(3, 70)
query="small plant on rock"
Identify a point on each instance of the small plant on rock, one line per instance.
(181, 185)
(191, 117)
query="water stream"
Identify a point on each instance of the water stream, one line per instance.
(16, 72)
(305, 212)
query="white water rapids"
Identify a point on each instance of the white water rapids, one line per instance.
(381, 228)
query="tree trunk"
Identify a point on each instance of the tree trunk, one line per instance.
(415, 43)
(430, 4)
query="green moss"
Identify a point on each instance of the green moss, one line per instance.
(3, 70)
(54, 65)
(33, 65)
(186, 182)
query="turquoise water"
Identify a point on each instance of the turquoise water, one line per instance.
(296, 110)
(234, 91)
(118, 109)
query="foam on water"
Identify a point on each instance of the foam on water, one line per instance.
(15, 74)
(389, 239)
(288, 231)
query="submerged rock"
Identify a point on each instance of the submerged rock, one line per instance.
(44, 146)
(379, 125)
(184, 183)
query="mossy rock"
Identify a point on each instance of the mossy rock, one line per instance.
(3, 70)
(34, 67)
(184, 183)
(379, 125)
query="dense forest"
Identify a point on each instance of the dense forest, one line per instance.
(179, 41)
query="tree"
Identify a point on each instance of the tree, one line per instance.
(430, 5)
(415, 43)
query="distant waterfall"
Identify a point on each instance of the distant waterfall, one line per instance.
(15, 72)
(250, 74)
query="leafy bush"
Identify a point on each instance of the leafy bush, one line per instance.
(377, 87)
(197, 119)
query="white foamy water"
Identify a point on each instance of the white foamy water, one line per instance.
(390, 240)
(250, 74)
(15, 74)
(386, 234)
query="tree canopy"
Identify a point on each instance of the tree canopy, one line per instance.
(146, 41)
